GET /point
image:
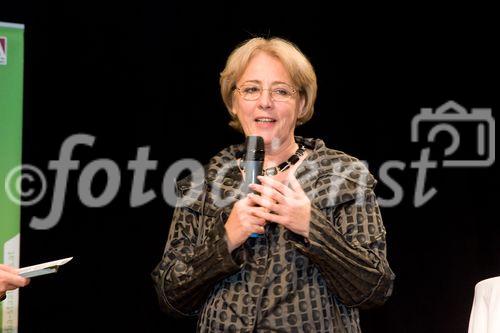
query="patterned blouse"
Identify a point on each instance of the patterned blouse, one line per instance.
(279, 282)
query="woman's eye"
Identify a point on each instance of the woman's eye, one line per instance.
(282, 92)
(250, 90)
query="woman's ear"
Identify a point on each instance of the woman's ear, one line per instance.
(234, 111)
(302, 104)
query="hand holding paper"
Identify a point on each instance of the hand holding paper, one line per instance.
(10, 280)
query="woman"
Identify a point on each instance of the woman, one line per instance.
(321, 253)
(10, 280)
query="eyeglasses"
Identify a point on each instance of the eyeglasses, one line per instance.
(279, 93)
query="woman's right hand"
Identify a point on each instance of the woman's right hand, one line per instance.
(242, 223)
(10, 279)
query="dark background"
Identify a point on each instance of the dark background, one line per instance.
(146, 74)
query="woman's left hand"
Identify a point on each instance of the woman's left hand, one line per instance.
(289, 207)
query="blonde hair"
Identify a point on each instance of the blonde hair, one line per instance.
(295, 62)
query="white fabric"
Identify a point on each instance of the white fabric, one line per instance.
(485, 313)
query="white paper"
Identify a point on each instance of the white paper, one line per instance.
(42, 269)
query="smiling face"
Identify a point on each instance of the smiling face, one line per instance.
(271, 119)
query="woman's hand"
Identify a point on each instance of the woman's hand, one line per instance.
(10, 279)
(243, 222)
(289, 207)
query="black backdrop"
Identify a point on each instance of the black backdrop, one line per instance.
(135, 75)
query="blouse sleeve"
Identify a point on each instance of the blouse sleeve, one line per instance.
(191, 266)
(347, 243)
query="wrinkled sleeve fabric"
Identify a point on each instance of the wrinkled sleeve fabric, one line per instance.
(192, 262)
(348, 245)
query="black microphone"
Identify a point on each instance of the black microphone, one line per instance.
(254, 163)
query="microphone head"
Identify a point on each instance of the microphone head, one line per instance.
(255, 148)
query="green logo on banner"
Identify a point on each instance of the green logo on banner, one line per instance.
(3, 50)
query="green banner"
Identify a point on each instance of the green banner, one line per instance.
(11, 111)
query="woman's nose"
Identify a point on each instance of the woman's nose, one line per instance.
(265, 100)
